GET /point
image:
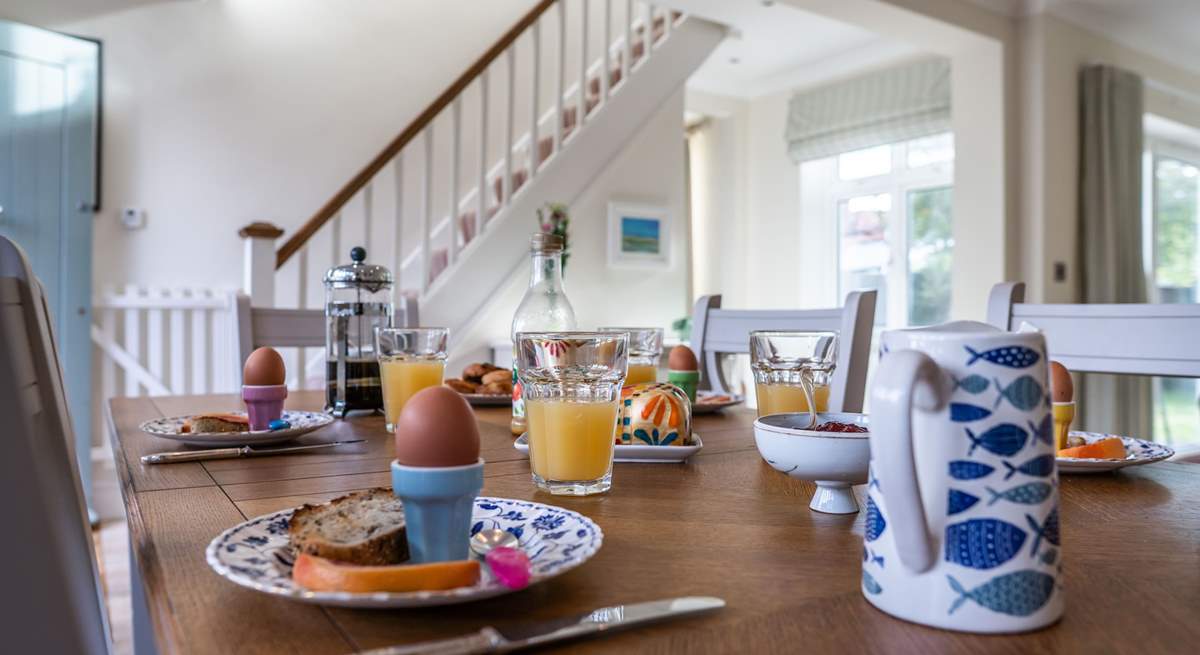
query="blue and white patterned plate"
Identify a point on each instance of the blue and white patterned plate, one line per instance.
(1137, 452)
(171, 428)
(257, 554)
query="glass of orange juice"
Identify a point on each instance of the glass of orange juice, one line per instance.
(645, 352)
(792, 370)
(410, 359)
(571, 383)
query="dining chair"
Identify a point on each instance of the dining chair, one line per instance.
(717, 331)
(256, 327)
(1122, 338)
(48, 540)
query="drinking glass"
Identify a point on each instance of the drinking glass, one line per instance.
(571, 383)
(410, 359)
(792, 370)
(645, 352)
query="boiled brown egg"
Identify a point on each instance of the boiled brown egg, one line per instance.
(682, 359)
(437, 428)
(264, 367)
(1062, 389)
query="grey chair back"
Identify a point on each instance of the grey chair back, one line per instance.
(292, 328)
(716, 331)
(48, 541)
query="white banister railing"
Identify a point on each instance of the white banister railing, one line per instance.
(440, 236)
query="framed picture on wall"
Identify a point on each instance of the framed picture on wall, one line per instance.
(639, 235)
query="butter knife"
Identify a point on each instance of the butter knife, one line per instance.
(226, 453)
(598, 621)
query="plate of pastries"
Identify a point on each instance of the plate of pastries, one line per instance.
(484, 384)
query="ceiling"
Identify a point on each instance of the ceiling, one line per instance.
(775, 47)
(58, 13)
(1166, 29)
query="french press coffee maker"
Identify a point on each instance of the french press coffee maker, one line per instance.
(358, 298)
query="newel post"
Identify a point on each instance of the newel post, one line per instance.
(258, 262)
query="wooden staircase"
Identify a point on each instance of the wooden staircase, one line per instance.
(453, 221)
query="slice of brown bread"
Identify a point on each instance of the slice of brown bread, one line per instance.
(209, 423)
(365, 527)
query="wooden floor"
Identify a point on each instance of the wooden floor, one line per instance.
(112, 550)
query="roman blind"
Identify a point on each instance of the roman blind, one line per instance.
(885, 106)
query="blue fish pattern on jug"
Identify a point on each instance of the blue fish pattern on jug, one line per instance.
(967, 470)
(1039, 467)
(869, 583)
(1047, 530)
(964, 412)
(1030, 493)
(972, 384)
(1049, 556)
(875, 524)
(877, 559)
(1010, 356)
(1044, 431)
(983, 543)
(1004, 439)
(1025, 393)
(959, 501)
(1019, 593)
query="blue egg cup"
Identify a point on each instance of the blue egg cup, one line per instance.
(438, 505)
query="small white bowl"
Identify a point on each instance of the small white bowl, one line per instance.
(834, 460)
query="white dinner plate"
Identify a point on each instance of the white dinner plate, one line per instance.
(257, 554)
(488, 399)
(703, 407)
(1137, 452)
(643, 454)
(302, 423)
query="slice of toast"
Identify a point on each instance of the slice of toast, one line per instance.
(208, 423)
(365, 527)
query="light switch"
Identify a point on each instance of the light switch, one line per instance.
(133, 218)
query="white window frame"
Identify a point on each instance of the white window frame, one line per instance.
(1156, 149)
(901, 181)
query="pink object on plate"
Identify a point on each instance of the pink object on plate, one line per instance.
(510, 566)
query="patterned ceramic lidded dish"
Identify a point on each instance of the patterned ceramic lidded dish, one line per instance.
(974, 534)
(655, 415)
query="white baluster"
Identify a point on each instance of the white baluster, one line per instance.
(482, 194)
(178, 349)
(627, 60)
(108, 368)
(398, 250)
(506, 183)
(583, 65)
(534, 151)
(668, 20)
(335, 240)
(199, 348)
(368, 212)
(648, 32)
(302, 303)
(426, 207)
(455, 137)
(562, 65)
(154, 338)
(133, 338)
(607, 43)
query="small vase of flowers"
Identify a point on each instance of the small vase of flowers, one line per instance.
(553, 219)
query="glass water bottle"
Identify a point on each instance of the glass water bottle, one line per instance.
(544, 308)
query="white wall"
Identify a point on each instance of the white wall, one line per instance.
(650, 170)
(224, 112)
(1058, 50)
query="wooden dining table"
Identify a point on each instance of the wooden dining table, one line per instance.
(723, 524)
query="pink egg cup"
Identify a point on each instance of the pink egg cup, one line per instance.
(264, 403)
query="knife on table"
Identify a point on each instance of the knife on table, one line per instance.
(598, 621)
(226, 453)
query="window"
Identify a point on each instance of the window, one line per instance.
(892, 208)
(1173, 226)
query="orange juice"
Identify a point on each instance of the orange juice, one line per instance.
(781, 398)
(571, 441)
(639, 373)
(404, 377)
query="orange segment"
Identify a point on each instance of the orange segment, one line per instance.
(1110, 448)
(319, 574)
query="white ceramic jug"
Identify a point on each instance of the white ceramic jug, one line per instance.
(962, 512)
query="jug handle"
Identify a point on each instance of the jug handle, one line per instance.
(906, 379)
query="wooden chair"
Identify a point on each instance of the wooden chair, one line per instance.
(48, 540)
(1128, 338)
(717, 331)
(292, 328)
